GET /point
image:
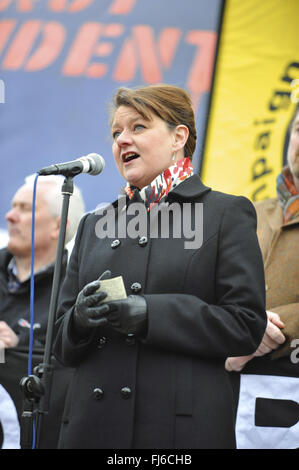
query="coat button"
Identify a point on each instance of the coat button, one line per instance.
(142, 241)
(126, 392)
(136, 287)
(98, 393)
(115, 243)
(102, 341)
(130, 340)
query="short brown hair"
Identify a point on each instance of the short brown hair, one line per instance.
(168, 102)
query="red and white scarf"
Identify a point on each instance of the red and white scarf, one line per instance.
(287, 195)
(163, 183)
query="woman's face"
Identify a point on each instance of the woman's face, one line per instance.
(142, 149)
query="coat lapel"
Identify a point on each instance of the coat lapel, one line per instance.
(191, 188)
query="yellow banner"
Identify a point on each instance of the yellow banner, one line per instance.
(254, 98)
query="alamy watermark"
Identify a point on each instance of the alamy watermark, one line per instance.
(295, 354)
(2, 91)
(163, 221)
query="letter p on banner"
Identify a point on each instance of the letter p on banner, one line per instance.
(2, 92)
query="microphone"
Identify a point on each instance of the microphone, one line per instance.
(92, 163)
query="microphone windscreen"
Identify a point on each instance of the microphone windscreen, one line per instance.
(98, 163)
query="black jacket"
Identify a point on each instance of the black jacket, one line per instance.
(169, 390)
(15, 306)
(15, 311)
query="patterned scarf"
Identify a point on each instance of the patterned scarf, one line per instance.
(163, 183)
(287, 195)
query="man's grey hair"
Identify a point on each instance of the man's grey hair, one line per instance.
(54, 197)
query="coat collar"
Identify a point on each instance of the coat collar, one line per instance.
(275, 216)
(6, 257)
(191, 188)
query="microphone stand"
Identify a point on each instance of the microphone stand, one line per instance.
(36, 388)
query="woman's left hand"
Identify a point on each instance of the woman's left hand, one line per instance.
(128, 315)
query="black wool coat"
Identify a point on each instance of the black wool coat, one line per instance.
(169, 389)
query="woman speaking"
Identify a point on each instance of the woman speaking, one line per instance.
(149, 365)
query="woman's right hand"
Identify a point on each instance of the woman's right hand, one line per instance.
(89, 312)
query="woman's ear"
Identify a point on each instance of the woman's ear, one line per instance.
(181, 134)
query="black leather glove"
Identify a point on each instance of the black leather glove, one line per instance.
(88, 312)
(128, 316)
